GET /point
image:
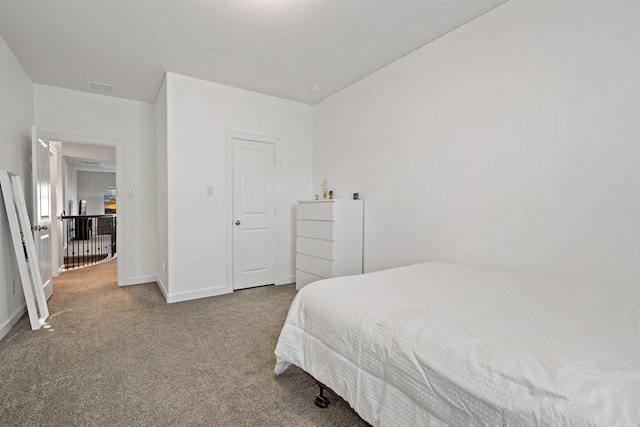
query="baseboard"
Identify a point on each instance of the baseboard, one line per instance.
(163, 288)
(12, 320)
(202, 293)
(140, 280)
(191, 295)
(286, 280)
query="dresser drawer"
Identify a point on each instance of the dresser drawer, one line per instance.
(316, 247)
(316, 229)
(303, 278)
(315, 210)
(316, 266)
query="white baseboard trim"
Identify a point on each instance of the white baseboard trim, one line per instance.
(202, 293)
(286, 280)
(140, 280)
(12, 320)
(163, 288)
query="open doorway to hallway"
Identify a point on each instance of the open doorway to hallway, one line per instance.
(85, 193)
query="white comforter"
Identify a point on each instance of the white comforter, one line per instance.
(443, 344)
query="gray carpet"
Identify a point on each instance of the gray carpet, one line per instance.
(122, 356)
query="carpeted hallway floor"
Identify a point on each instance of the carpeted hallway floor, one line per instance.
(123, 356)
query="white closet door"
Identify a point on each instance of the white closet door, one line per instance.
(253, 214)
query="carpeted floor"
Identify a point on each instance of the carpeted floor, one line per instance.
(123, 356)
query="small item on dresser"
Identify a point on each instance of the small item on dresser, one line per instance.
(331, 194)
(325, 189)
(356, 196)
(317, 197)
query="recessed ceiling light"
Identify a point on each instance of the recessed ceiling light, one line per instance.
(315, 88)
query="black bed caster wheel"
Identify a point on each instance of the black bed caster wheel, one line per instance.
(322, 401)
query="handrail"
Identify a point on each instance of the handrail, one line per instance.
(88, 216)
(88, 239)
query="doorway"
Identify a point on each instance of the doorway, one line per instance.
(86, 155)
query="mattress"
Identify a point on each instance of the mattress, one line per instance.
(444, 344)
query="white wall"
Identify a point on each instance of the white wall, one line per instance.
(16, 115)
(199, 116)
(162, 227)
(92, 186)
(87, 117)
(510, 143)
(98, 153)
(70, 189)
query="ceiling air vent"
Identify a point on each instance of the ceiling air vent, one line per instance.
(89, 164)
(101, 87)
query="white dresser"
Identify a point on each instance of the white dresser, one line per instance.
(328, 239)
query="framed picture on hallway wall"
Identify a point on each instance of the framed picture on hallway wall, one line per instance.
(109, 204)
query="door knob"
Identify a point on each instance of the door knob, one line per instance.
(237, 222)
(40, 227)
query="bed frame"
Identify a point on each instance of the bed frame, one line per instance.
(321, 401)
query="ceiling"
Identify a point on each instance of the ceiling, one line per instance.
(89, 157)
(275, 47)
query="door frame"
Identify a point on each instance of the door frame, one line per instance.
(120, 225)
(231, 135)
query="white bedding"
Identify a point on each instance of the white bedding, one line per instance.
(444, 344)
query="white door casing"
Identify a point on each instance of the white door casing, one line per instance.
(254, 260)
(41, 190)
(118, 144)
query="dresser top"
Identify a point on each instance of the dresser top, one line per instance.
(331, 201)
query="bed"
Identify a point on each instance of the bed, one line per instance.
(445, 344)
